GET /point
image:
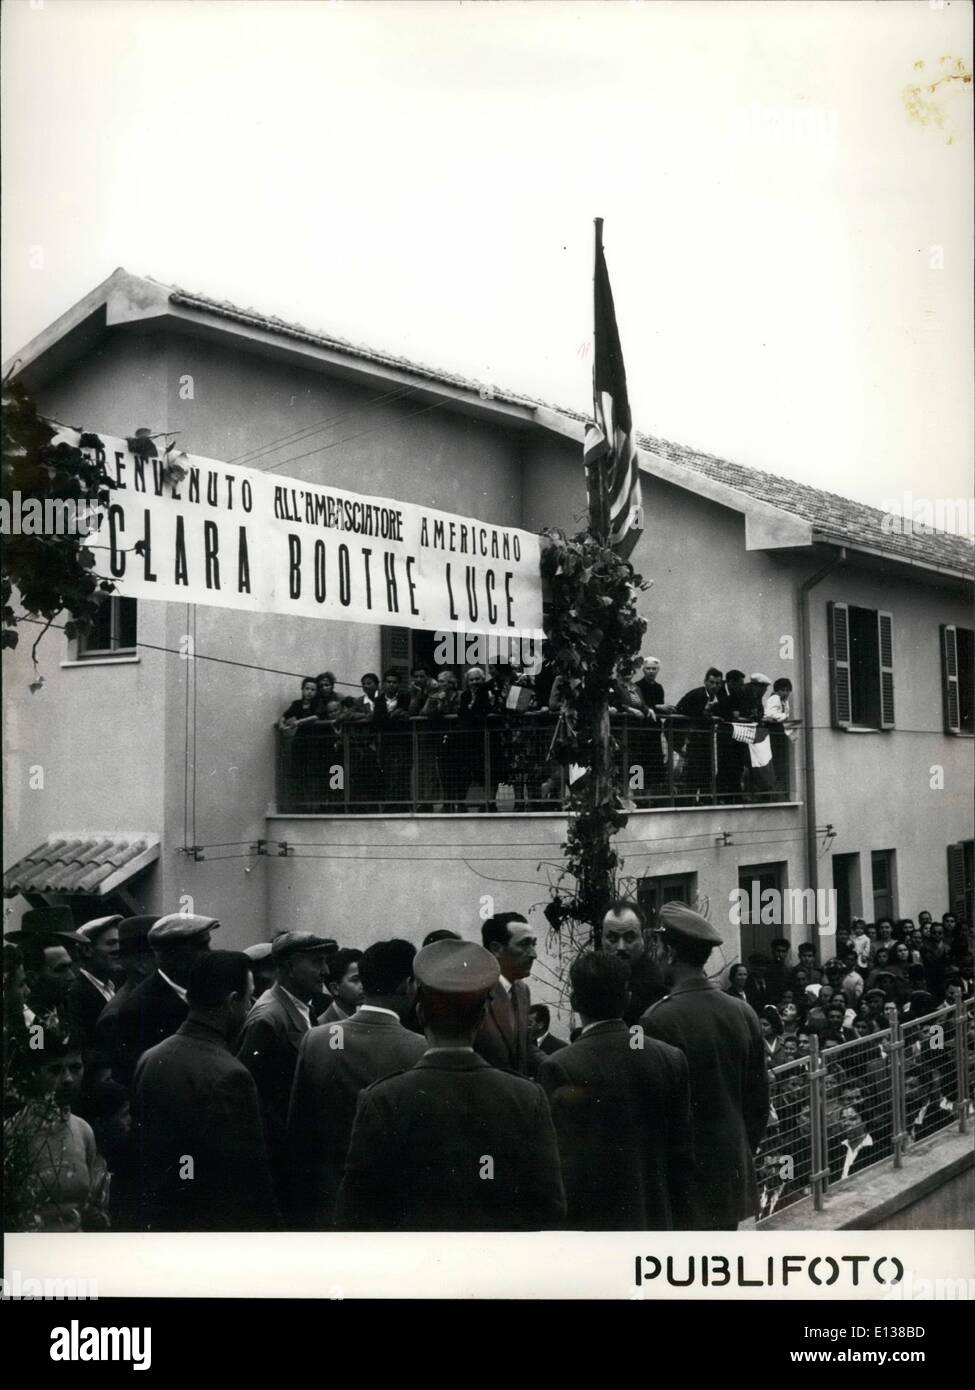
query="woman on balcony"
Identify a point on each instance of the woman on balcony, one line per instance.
(299, 748)
(474, 712)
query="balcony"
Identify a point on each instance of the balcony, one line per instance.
(515, 764)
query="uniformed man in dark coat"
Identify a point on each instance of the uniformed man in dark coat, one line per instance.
(199, 1157)
(622, 1113)
(453, 1144)
(720, 1037)
(157, 1007)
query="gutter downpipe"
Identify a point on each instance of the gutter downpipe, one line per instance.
(808, 735)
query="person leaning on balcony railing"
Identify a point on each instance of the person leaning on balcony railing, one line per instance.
(441, 709)
(692, 736)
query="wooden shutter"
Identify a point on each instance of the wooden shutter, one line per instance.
(395, 652)
(885, 644)
(841, 701)
(949, 678)
(956, 879)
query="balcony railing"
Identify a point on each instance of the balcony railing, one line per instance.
(514, 763)
(852, 1106)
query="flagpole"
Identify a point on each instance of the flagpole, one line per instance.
(599, 782)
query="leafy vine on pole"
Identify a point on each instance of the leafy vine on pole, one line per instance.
(593, 638)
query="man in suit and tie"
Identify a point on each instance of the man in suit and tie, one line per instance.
(453, 1144)
(156, 1008)
(539, 1022)
(336, 1062)
(199, 1157)
(692, 739)
(274, 1030)
(502, 1039)
(720, 1037)
(622, 1113)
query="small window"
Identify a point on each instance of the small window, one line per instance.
(861, 653)
(958, 678)
(653, 892)
(113, 633)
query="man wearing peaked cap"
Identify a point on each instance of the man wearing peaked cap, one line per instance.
(157, 1007)
(259, 956)
(272, 1033)
(453, 1144)
(720, 1037)
(95, 984)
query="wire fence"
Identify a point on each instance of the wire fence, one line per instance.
(849, 1107)
(515, 763)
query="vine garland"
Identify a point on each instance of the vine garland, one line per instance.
(593, 638)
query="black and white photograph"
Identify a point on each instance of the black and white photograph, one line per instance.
(488, 650)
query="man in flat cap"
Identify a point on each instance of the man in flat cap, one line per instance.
(271, 1036)
(336, 1062)
(720, 1037)
(136, 963)
(453, 1144)
(95, 983)
(157, 1007)
(200, 1160)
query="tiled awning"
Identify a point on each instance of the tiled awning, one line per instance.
(81, 862)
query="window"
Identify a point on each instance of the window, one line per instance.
(882, 872)
(961, 871)
(861, 660)
(113, 633)
(958, 678)
(652, 893)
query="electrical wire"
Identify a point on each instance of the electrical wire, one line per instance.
(248, 457)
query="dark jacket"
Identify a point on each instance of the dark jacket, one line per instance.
(646, 987)
(623, 1120)
(85, 1006)
(194, 1103)
(722, 1042)
(452, 1145)
(502, 1039)
(326, 1090)
(268, 1047)
(550, 1044)
(153, 1011)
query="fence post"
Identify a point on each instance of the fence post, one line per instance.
(713, 762)
(668, 730)
(898, 1102)
(817, 1124)
(961, 1063)
(346, 769)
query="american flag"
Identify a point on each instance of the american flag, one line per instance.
(609, 450)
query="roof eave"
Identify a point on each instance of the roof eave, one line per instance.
(893, 557)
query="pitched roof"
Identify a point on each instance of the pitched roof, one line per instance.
(837, 518)
(89, 863)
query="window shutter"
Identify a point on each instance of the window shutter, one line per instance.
(839, 664)
(885, 634)
(395, 652)
(949, 678)
(956, 879)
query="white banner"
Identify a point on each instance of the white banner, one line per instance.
(193, 530)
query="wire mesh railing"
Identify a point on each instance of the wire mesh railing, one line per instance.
(514, 763)
(850, 1106)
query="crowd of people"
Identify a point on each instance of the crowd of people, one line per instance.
(884, 975)
(153, 1083)
(478, 740)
